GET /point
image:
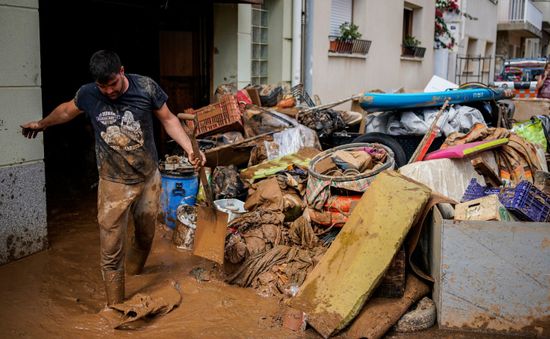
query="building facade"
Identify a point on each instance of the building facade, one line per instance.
(520, 29)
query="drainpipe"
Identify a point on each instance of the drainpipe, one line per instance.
(308, 46)
(296, 42)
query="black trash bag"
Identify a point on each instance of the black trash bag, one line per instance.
(227, 183)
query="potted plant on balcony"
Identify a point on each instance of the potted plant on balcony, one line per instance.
(344, 42)
(410, 43)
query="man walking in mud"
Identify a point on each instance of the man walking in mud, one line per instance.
(121, 108)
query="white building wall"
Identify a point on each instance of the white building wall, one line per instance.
(335, 76)
(474, 37)
(22, 178)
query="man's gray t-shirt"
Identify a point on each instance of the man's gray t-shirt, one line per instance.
(124, 140)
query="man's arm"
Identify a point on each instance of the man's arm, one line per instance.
(173, 127)
(61, 114)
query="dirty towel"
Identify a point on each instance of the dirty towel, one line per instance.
(265, 193)
(159, 301)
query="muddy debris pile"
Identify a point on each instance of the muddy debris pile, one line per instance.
(342, 233)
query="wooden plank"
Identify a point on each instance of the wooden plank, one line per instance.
(337, 288)
(380, 314)
(483, 169)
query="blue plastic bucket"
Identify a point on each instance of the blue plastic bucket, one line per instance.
(177, 190)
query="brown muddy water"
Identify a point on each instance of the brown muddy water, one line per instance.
(58, 293)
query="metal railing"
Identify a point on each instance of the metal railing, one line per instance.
(520, 11)
(472, 68)
(357, 46)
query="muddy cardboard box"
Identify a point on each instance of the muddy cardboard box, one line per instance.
(491, 276)
(482, 209)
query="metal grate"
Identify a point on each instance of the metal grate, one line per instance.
(301, 95)
(355, 46)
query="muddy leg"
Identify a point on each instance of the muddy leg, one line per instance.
(145, 215)
(114, 201)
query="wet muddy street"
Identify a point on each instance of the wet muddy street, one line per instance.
(59, 293)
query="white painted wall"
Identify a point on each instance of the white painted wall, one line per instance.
(20, 93)
(336, 77)
(544, 7)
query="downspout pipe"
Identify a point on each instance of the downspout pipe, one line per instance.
(308, 45)
(296, 42)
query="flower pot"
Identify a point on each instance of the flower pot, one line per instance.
(333, 47)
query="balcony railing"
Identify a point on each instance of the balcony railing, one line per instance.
(356, 46)
(417, 52)
(519, 11)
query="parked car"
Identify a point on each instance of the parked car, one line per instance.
(520, 73)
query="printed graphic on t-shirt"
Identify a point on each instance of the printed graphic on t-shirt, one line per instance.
(126, 135)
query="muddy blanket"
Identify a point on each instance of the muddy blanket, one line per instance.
(516, 160)
(280, 270)
(281, 192)
(253, 232)
(159, 301)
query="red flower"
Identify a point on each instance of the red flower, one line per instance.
(438, 13)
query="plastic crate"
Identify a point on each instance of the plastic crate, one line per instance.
(527, 202)
(476, 191)
(219, 117)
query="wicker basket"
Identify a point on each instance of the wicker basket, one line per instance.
(222, 116)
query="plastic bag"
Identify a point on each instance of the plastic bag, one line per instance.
(290, 141)
(532, 131)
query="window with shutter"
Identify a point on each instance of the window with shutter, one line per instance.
(341, 11)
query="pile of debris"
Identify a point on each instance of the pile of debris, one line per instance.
(342, 235)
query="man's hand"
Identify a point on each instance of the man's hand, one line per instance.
(197, 161)
(31, 129)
